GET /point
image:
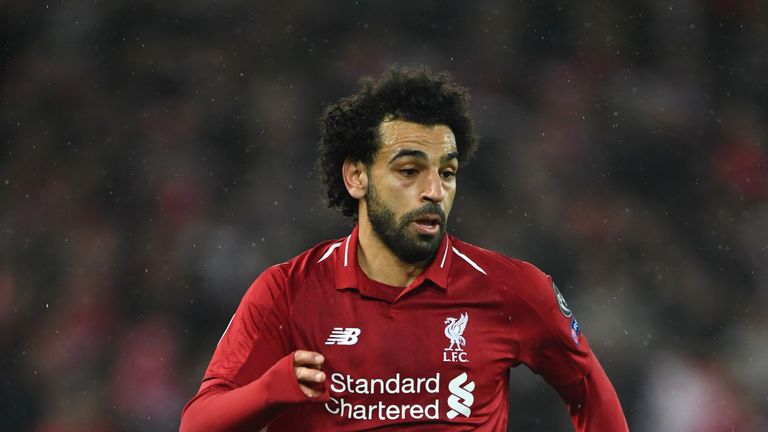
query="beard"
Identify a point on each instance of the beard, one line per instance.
(410, 247)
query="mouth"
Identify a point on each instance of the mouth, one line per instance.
(428, 224)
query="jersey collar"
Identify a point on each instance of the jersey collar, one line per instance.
(350, 275)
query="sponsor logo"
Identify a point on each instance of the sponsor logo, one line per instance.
(344, 403)
(454, 331)
(561, 302)
(343, 336)
(362, 398)
(461, 399)
(398, 384)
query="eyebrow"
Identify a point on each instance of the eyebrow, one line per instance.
(450, 156)
(421, 155)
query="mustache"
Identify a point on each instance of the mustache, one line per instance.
(429, 208)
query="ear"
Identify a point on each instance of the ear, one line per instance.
(355, 178)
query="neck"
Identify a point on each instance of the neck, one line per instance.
(379, 263)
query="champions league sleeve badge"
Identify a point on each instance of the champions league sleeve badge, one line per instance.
(575, 330)
(561, 302)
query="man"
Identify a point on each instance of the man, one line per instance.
(398, 324)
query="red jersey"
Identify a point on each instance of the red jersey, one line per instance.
(434, 355)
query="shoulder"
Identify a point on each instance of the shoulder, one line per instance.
(289, 275)
(494, 264)
(318, 259)
(515, 279)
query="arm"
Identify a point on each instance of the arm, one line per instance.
(553, 346)
(254, 372)
(223, 406)
(593, 403)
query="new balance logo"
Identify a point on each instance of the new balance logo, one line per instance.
(461, 398)
(343, 336)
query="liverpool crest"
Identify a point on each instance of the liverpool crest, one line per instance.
(454, 331)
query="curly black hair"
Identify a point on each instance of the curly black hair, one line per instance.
(349, 128)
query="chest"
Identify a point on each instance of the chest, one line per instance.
(432, 329)
(442, 352)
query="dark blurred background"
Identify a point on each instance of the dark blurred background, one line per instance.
(158, 155)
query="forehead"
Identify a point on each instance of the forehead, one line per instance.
(398, 135)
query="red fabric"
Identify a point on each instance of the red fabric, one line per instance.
(593, 404)
(392, 356)
(223, 406)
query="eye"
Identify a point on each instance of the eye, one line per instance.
(448, 175)
(409, 172)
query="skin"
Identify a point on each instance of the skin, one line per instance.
(306, 366)
(414, 169)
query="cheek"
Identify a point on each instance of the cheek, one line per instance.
(394, 197)
(401, 192)
(449, 197)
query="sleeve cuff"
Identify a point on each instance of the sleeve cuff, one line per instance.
(283, 387)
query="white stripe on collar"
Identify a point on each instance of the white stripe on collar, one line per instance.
(329, 251)
(445, 254)
(472, 263)
(346, 250)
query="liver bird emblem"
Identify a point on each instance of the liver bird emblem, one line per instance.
(454, 331)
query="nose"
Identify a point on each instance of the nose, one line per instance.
(433, 189)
